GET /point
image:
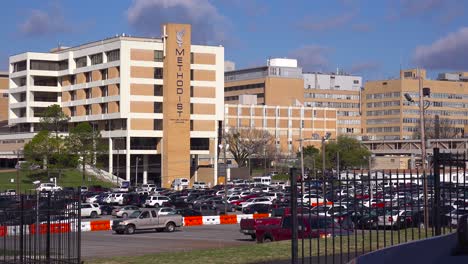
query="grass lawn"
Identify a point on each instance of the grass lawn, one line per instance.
(69, 178)
(254, 253)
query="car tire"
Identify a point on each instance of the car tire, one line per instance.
(93, 214)
(267, 239)
(253, 236)
(119, 232)
(130, 229)
(233, 209)
(124, 215)
(156, 205)
(170, 227)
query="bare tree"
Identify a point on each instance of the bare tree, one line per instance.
(446, 129)
(245, 143)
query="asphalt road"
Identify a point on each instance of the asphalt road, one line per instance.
(107, 244)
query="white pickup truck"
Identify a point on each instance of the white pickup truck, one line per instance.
(146, 219)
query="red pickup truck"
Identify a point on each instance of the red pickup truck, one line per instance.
(249, 226)
(309, 227)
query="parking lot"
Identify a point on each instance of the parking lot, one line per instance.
(108, 244)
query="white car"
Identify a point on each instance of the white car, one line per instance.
(91, 210)
(272, 196)
(156, 201)
(118, 198)
(48, 187)
(312, 199)
(166, 211)
(180, 183)
(233, 198)
(257, 200)
(147, 187)
(244, 194)
(92, 199)
(390, 218)
(199, 185)
(219, 193)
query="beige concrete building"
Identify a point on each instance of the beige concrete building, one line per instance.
(282, 83)
(3, 98)
(158, 101)
(287, 124)
(388, 115)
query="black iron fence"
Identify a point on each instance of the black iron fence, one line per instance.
(42, 227)
(356, 212)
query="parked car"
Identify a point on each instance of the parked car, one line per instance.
(147, 187)
(125, 211)
(199, 185)
(248, 226)
(182, 183)
(165, 211)
(147, 219)
(185, 212)
(156, 201)
(106, 209)
(257, 209)
(258, 200)
(90, 210)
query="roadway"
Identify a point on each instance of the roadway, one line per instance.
(106, 244)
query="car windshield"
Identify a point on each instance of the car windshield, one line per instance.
(135, 214)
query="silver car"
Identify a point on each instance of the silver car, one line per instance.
(125, 211)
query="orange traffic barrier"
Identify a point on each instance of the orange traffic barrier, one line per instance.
(228, 219)
(193, 220)
(257, 216)
(3, 231)
(54, 228)
(322, 203)
(100, 225)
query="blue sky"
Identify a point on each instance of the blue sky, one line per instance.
(371, 38)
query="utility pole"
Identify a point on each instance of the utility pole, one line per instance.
(324, 188)
(136, 172)
(423, 147)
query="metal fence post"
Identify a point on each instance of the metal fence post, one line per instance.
(436, 204)
(79, 227)
(48, 228)
(21, 229)
(294, 222)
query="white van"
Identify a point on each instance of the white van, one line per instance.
(180, 183)
(263, 180)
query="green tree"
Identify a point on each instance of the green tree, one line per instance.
(352, 154)
(40, 149)
(54, 119)
(85, 143)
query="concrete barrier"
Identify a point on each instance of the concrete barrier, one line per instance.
(211, 220)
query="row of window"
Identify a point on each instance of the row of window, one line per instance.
(383, 112)
(445, 121)
(349, 122)
(88, 109)
(277, 112)
(383, 95)
(347, 113)
(383, 104)
(436, 112)
(333, 104)
(331, 96)
(103, 89)
(236, 97)
(244, 87)
(98, 58)
(383, 129)
(382, 121)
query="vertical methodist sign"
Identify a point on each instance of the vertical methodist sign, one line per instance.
(176, 103)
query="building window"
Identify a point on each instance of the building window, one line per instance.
(73, 79)
(191, 91)
(19, 66)
(158, 107)
(104, 91)
(158, 56)
(158, 73)
(356, 81)
(88, 109)
(191, 58)
(73, 95)
(96, 59)
(103, 108)
(89, 76)
(104, 74)
(88, 93)
(191, 75)
(81, 62)
(113, 55)
(73, 111)
(158, 124)
(191, 125)
(158, 90)
(191, 108)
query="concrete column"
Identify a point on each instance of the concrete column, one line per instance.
(111, 154)
(228, 174)
(215, 167)
(127, 159)
(145, 169)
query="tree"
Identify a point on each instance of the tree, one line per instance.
(40, 149)
(352, 153)
(86, 143)
(446, 129)
(54, 119)
(245, 143)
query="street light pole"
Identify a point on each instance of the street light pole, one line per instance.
(323, 167)
(136, 172)
(423, 148)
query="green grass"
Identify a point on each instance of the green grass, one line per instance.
(254, 253)
(69, 178)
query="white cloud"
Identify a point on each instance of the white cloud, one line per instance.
(42, 23)
(209, 26)
(449, 52)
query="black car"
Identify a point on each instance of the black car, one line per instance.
(106, 209)
(257, 209)
(188, 212)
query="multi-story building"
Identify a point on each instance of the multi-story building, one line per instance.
(286, 124)
(3, 99)
(158, 101)
(388, 115)
(340, 91)
(282, 83)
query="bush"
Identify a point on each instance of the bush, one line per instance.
(280, 177)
